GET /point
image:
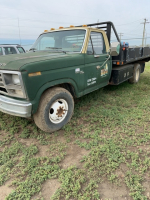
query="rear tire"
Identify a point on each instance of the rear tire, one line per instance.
(136, 74)
(55, 109)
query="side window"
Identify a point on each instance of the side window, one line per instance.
(1, 53)
(20, 49)
(9, 50)
(96, 43)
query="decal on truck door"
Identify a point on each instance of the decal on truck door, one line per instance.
(104, 71)
(91, 81)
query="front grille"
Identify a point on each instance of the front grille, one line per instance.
(1, 81)
(3, 89)
(2, 86)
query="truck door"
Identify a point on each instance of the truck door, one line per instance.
(97, 63)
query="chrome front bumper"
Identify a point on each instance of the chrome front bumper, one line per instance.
(15, 107)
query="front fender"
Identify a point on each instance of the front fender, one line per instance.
(35, 102)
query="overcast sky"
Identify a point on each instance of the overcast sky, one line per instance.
(32, 17)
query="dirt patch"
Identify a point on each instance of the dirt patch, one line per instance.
(5, 190)
(28, 142)
(74, 155)
(146, 186)
(123, 167)
(1, 137)
(107, 190)
(120, 174)
(48, 189)
(112, 192)
(3, 134)
(139, 130)
(60, 137)
(43, 151)
(144, 147)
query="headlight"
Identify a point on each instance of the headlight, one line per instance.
(11, 79)
(15, 79)
(13, 83)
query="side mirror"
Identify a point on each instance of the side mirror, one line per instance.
(115, 49)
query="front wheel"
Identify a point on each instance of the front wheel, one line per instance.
(55, 109)
(136, 74)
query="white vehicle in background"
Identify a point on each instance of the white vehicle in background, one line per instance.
(7, 49)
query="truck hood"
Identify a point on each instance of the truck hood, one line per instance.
(16, 61)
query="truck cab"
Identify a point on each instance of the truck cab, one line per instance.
(89, 48)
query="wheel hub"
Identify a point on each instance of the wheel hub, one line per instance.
(58, 111)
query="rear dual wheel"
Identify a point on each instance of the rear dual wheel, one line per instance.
(55, 109)
(136, 74)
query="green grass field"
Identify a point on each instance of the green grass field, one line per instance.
(102, 153)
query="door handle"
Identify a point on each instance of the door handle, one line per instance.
(98, 67)
(96, 56)
(81, 72)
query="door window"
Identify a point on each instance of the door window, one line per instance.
(96, 44)
(1, 53)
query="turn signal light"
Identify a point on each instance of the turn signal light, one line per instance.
(71, 26)
(61, 27)
(34, 74)
(84, 25)
(118, 63)
(46, 31)
(52, 29)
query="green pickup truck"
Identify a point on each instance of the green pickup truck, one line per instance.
(63, 64)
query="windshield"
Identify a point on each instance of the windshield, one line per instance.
(70, 40)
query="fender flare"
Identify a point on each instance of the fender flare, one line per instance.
(44, 87)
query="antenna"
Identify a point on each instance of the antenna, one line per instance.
(19, 30)
(120, 34)
(145, 22)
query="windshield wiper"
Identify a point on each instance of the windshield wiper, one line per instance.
(53, 48)
(56, 48)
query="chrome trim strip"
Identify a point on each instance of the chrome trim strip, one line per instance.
(15, 107)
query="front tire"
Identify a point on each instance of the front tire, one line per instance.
(55, 109)
(136, 74)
